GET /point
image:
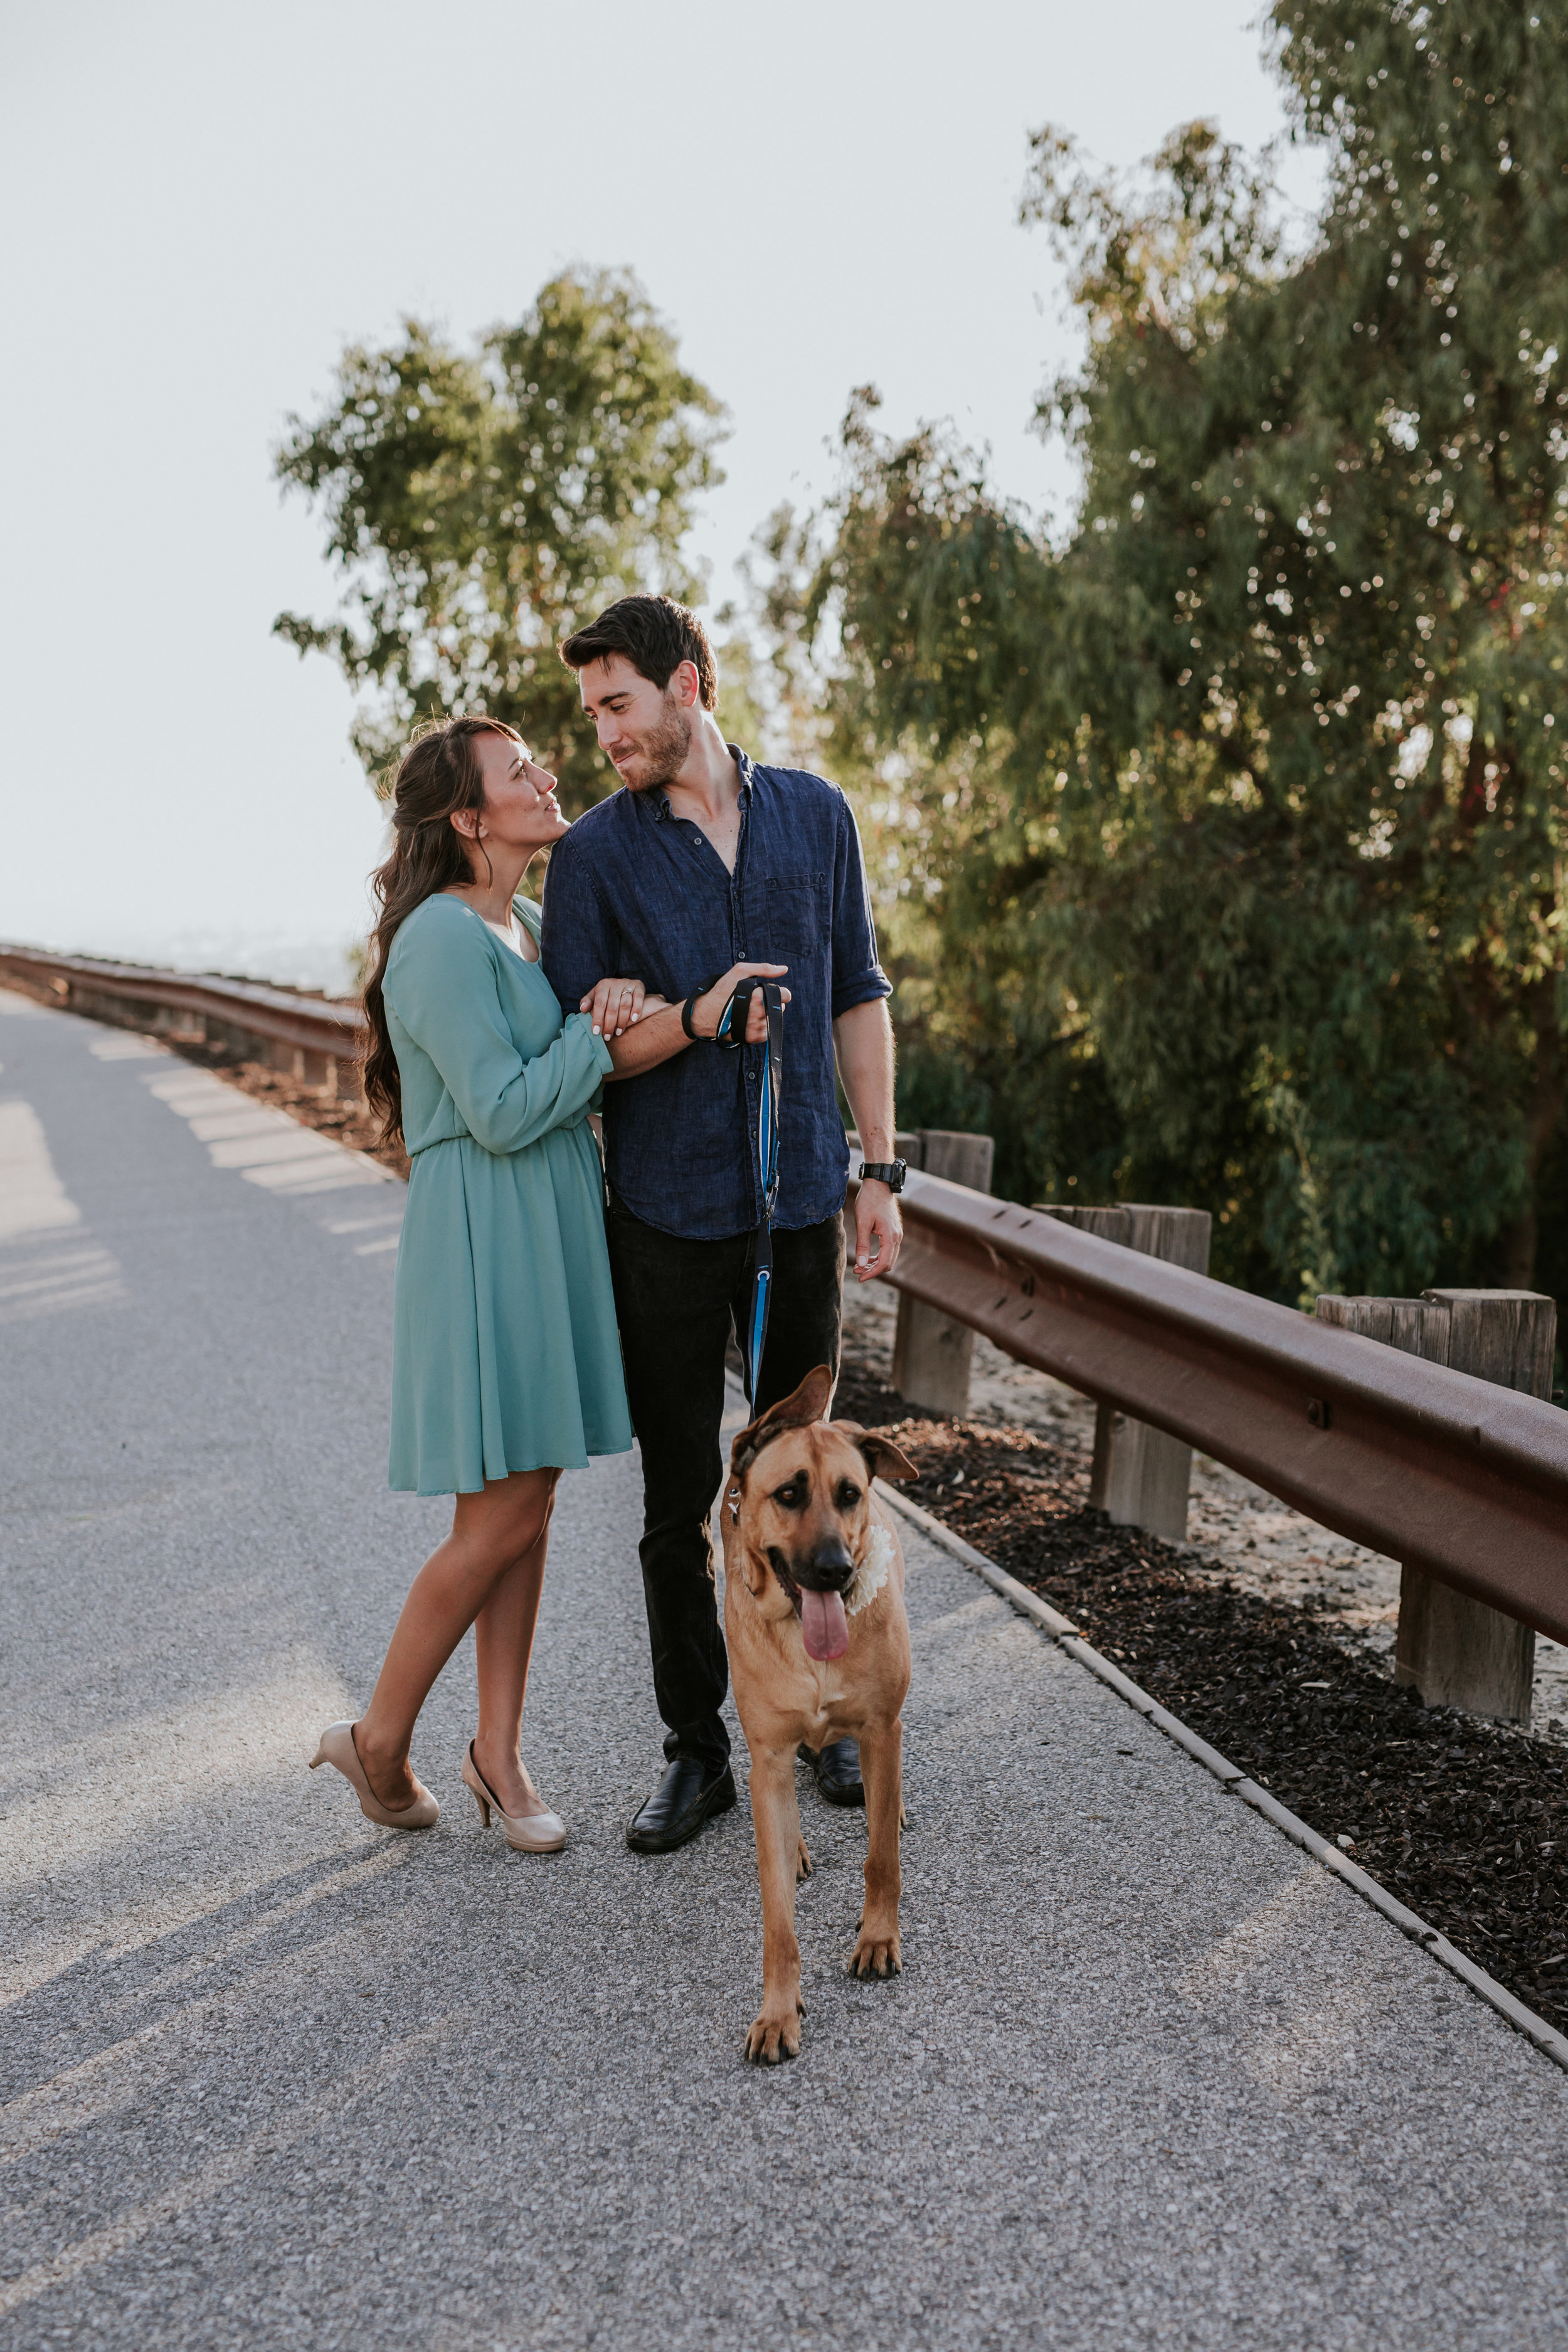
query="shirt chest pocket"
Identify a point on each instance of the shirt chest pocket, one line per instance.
(789, 919)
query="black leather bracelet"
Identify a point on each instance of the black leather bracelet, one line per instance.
(686, 1010)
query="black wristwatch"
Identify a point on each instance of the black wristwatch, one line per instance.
(889, 1172)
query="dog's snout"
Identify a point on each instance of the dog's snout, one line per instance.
(827, 1567)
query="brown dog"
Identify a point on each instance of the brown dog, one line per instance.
(819, 1649)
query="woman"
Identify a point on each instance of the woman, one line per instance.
(506, 1367)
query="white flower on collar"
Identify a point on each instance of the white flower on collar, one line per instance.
(871, 1571)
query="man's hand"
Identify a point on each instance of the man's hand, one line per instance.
(864, 1041)
(614, 1004)
(658, 1033)
(707, 1009)
(878, 1230)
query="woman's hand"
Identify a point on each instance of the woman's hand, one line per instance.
(707, 1009)
(614, 1005)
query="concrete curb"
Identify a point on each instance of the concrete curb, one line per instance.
(1061, 1630)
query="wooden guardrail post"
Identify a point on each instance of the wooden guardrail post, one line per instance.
(1455, 1651)
(1141, 1476)
(932, 1354)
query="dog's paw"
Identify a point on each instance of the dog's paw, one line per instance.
(877, 1956)
(773, 2036)
(803, 1860)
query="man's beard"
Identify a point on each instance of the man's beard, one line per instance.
(664, 750)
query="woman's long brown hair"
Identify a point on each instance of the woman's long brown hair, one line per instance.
(436, 776)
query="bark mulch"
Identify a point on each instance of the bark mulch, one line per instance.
(1465, 1822)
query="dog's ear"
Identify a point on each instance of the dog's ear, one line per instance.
(808, 1403)
(883, 1458)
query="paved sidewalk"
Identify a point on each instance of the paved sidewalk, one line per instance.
(270, 2077)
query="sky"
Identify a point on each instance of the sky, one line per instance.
(205, 204)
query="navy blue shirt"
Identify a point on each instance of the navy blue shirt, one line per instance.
(636, 892)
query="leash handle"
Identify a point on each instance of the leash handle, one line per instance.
(731, 1029)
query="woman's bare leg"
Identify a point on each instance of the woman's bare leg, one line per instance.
(503, 1640)
(491, 1532)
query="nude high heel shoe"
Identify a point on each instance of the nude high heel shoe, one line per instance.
(524, 1833)
(337, 1747)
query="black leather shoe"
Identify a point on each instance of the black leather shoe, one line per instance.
(679, 1805)
(836, 1769)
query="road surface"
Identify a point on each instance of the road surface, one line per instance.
(271, 2077)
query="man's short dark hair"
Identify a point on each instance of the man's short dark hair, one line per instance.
(656, 634)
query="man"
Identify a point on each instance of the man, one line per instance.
(702, 861)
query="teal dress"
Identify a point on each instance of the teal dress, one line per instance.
(505, 1355)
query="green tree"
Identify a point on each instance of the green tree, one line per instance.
(1254, 782)
(483, 505)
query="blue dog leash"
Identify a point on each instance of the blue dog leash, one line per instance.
(732, 1033)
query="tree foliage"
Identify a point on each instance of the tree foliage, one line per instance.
(481, 505)
(1229, 833)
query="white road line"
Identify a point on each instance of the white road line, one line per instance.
(123, 1047)
(32, 1197)
(39, 1280)
(41, 1270)
(263, 1145)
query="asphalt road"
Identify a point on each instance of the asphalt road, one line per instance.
(271, 2077)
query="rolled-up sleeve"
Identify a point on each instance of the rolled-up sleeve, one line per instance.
(858, 977)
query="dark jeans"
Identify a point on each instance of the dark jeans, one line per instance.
(677, 1301)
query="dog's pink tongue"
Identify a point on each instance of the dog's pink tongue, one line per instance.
(824, 1624)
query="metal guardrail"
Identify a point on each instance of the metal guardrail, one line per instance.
(230, 1012)
(1452, 1474)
